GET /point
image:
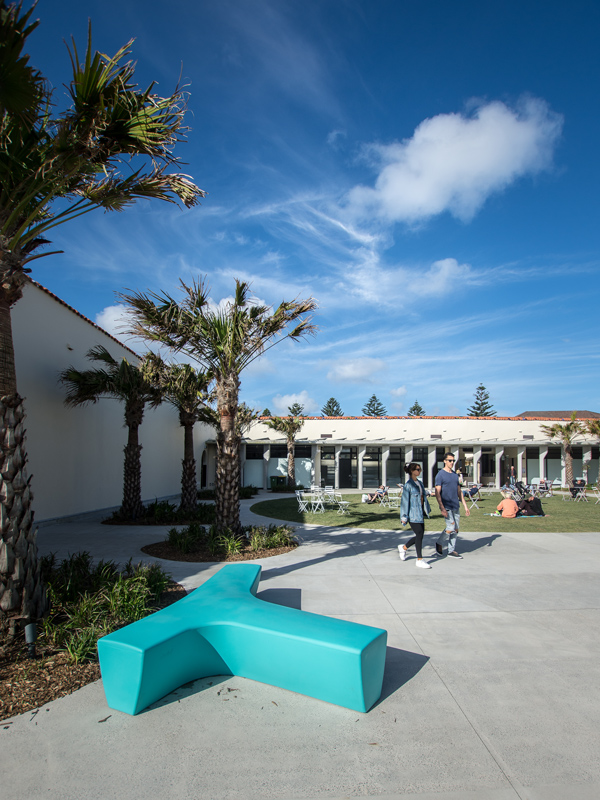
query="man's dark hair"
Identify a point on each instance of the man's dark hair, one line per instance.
(448, 454)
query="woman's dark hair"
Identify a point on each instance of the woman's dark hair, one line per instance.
(410, 467)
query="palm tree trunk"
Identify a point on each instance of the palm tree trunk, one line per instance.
(291, 466)
(22, 591)
(568, 467)
(132, 507)
(227, 500)
(189, 489)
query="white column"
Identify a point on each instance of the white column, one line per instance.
(338, 450)
(520, 452)
(266, 459)
(385, 454)
(499, 454)
(563, 467)
(362, 449)
(408, 454)
(477, 463)
(542, 456)
(315, 472)
(431, 464)
(587, 456)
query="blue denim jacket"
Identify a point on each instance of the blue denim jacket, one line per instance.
(410, 505)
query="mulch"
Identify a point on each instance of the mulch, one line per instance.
(28, 684)
(170, 553)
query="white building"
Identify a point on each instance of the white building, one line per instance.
(76, 454)
(363, 452)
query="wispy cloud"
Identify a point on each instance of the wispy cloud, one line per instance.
(358, 370)
(454, 162)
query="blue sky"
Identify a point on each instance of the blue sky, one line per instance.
(428, 171)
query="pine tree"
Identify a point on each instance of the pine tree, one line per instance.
(416, 410)
(266, 413)
(481, 407)
(296, 410)
(374, 408)
(332, 409)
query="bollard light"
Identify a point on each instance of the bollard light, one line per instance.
(30, 637)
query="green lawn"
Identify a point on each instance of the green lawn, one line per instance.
(561, 516)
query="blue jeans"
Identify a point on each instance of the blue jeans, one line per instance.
(452, 526)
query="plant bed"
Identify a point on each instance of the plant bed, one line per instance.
(27, 684)
(196, 543)
(164, 513)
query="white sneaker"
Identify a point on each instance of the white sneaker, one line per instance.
(402, 552)
(423, 564)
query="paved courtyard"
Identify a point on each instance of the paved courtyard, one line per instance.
(491, 689)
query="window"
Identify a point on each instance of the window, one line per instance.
(254, 452)
(348, 468)
(302, 451)
(279, 451)
(372, 467)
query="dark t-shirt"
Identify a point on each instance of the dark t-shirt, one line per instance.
(448, 481)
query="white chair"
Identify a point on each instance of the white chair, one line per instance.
(317, 506)
(394, 496)
(595, 490)
(329, 492)
(302, 501)
(342, 504)
(471, 494)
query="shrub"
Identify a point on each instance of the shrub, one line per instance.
(89, 601)
(186, 539)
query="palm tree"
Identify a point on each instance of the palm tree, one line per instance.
(125, 382)
(290, 427)
(186, 390)
(224, 341)
(565, 434)
(89, 155)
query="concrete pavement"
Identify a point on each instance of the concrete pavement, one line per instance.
(491, 690)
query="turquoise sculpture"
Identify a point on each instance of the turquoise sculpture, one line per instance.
(223, 629)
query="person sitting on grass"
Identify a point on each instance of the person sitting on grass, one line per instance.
(531, 507)
(508, 507)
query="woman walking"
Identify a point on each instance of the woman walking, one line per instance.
(414, 507)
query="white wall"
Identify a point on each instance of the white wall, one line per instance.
(76, 454)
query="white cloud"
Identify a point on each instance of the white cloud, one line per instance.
(400, 286)
(454, 162)
(113, 319)
(399, 392)
(281, 403)
(358, 370)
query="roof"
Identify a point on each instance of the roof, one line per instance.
(559, 415)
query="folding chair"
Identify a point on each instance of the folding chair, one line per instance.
(579, 494)
(596, 493)
(472, 495)
(317, 506)
(394, 498)
(329, 492)
(341, 503)
(302, 501)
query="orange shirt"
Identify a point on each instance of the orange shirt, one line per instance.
(508, 508)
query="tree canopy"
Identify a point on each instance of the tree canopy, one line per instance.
(416, 410)
(374, 408)
(332, 409)
(482, 406)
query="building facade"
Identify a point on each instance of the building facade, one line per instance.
(363, 452)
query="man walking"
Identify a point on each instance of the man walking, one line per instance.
(449, 496)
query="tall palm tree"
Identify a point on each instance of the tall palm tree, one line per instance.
(224, 341)
(125, 382)
(112, 145)
(186, 390)
(565, 434)
(290, 427)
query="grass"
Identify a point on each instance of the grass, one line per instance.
(561, 516)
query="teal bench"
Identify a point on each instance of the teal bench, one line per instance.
(221, 628)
